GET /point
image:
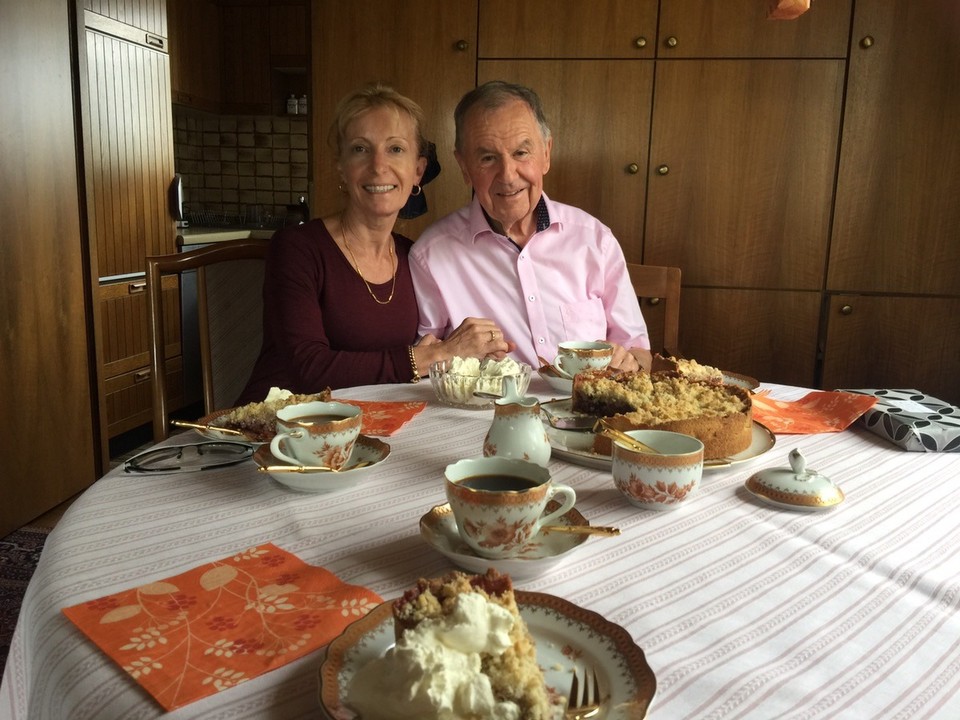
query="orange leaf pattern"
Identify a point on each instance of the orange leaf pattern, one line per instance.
(218, 625)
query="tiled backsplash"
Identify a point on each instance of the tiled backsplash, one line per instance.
(240, 168)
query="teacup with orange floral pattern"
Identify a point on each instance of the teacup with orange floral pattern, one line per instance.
(498, 503)
(316, 433)
(662, 480)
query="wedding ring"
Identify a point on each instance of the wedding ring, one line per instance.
(493, 334)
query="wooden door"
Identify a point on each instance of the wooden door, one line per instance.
(741, 29)
(876, 341)
(194, 44)
(425, 49)
(245, 59)
(569, 29)
(598, 112)
(48, 436)
(149, 15)
(897, 215)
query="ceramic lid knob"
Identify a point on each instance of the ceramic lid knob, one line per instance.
(795, 487)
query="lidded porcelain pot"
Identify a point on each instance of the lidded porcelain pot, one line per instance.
(517, 430)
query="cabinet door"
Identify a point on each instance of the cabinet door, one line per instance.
(897, 216)
(424, 49)
(128, 153)
(245, 59)
(46, 360)
(598, 111)
(768, 334)
(894, 342)
(740, 28)
(742, 164)
(149, 15)
(568, 29)
(194, 45)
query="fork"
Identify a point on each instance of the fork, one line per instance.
(586, 704)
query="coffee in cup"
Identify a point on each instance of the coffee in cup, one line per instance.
(498, 503)
(576, 356)
(316, 433)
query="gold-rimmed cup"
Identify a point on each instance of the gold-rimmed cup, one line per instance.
(577, 356)
(316, 433)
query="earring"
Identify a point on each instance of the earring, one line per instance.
(341, 187)
(416, 190)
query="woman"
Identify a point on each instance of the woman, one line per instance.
(339, 307)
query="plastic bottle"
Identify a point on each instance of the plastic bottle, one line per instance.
(292, 105)
(302, 105)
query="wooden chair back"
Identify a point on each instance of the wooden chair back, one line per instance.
(658, 289)
(229, 318)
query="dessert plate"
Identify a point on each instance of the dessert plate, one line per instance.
(215, 434)
(567, 636)
(368, 453)
(439, 529)
(576, 446)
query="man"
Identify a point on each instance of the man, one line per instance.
(543, 271)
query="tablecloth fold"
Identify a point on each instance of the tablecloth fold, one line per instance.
(203, 631)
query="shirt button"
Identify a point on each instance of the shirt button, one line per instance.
(532, 298)
(541, 341)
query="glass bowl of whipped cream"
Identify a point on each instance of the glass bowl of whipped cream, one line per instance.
(456, 380)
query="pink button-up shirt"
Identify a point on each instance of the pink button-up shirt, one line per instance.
(569, 282)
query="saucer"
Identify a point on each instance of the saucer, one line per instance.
(560, 384)
(366, 450)
(547, 550)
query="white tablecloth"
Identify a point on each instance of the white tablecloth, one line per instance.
(743, 610)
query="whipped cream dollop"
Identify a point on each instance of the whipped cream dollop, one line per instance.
(433, 672)
(468, 375)
(277, 394)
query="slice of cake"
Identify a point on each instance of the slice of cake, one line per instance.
(720, 416)
(258, 420)
(462, 651)
(688, 368)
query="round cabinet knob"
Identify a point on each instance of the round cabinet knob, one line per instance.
(846, 310)
(633, 168)
(671, 41)
(640, 42)
(663, 169)
(867, 42)
(462, 45)
(653, 301)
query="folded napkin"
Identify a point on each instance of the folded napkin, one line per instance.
(816, 412)
(385, 418)
(195, 634)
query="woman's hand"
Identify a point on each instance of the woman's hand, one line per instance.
(475, 337)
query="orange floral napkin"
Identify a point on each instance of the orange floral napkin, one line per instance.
(816, 412)
(189, 636)
(385, 418)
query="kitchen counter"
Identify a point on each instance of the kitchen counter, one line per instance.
(204, 235)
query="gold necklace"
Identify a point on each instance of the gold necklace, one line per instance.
(356, 266)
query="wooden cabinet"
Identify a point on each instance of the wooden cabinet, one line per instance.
(195, 53)
(128, 162)
(147, 15)
(890, 341)
(425, 49)
(895, 228)
(47, 381)
(245, 59)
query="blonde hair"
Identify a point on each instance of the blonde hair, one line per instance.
(367, 98)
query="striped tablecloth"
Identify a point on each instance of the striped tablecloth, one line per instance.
(743, 610)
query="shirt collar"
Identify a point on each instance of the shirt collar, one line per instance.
(541, 213)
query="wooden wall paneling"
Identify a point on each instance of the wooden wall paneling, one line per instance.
(599, 131)
(569, 29)
(876, 341)
(740, 28)
(742, 164)
(435, 70)
(768, 334)
(47, 385)
(897, 216)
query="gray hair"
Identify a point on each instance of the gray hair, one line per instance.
(495, 94)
